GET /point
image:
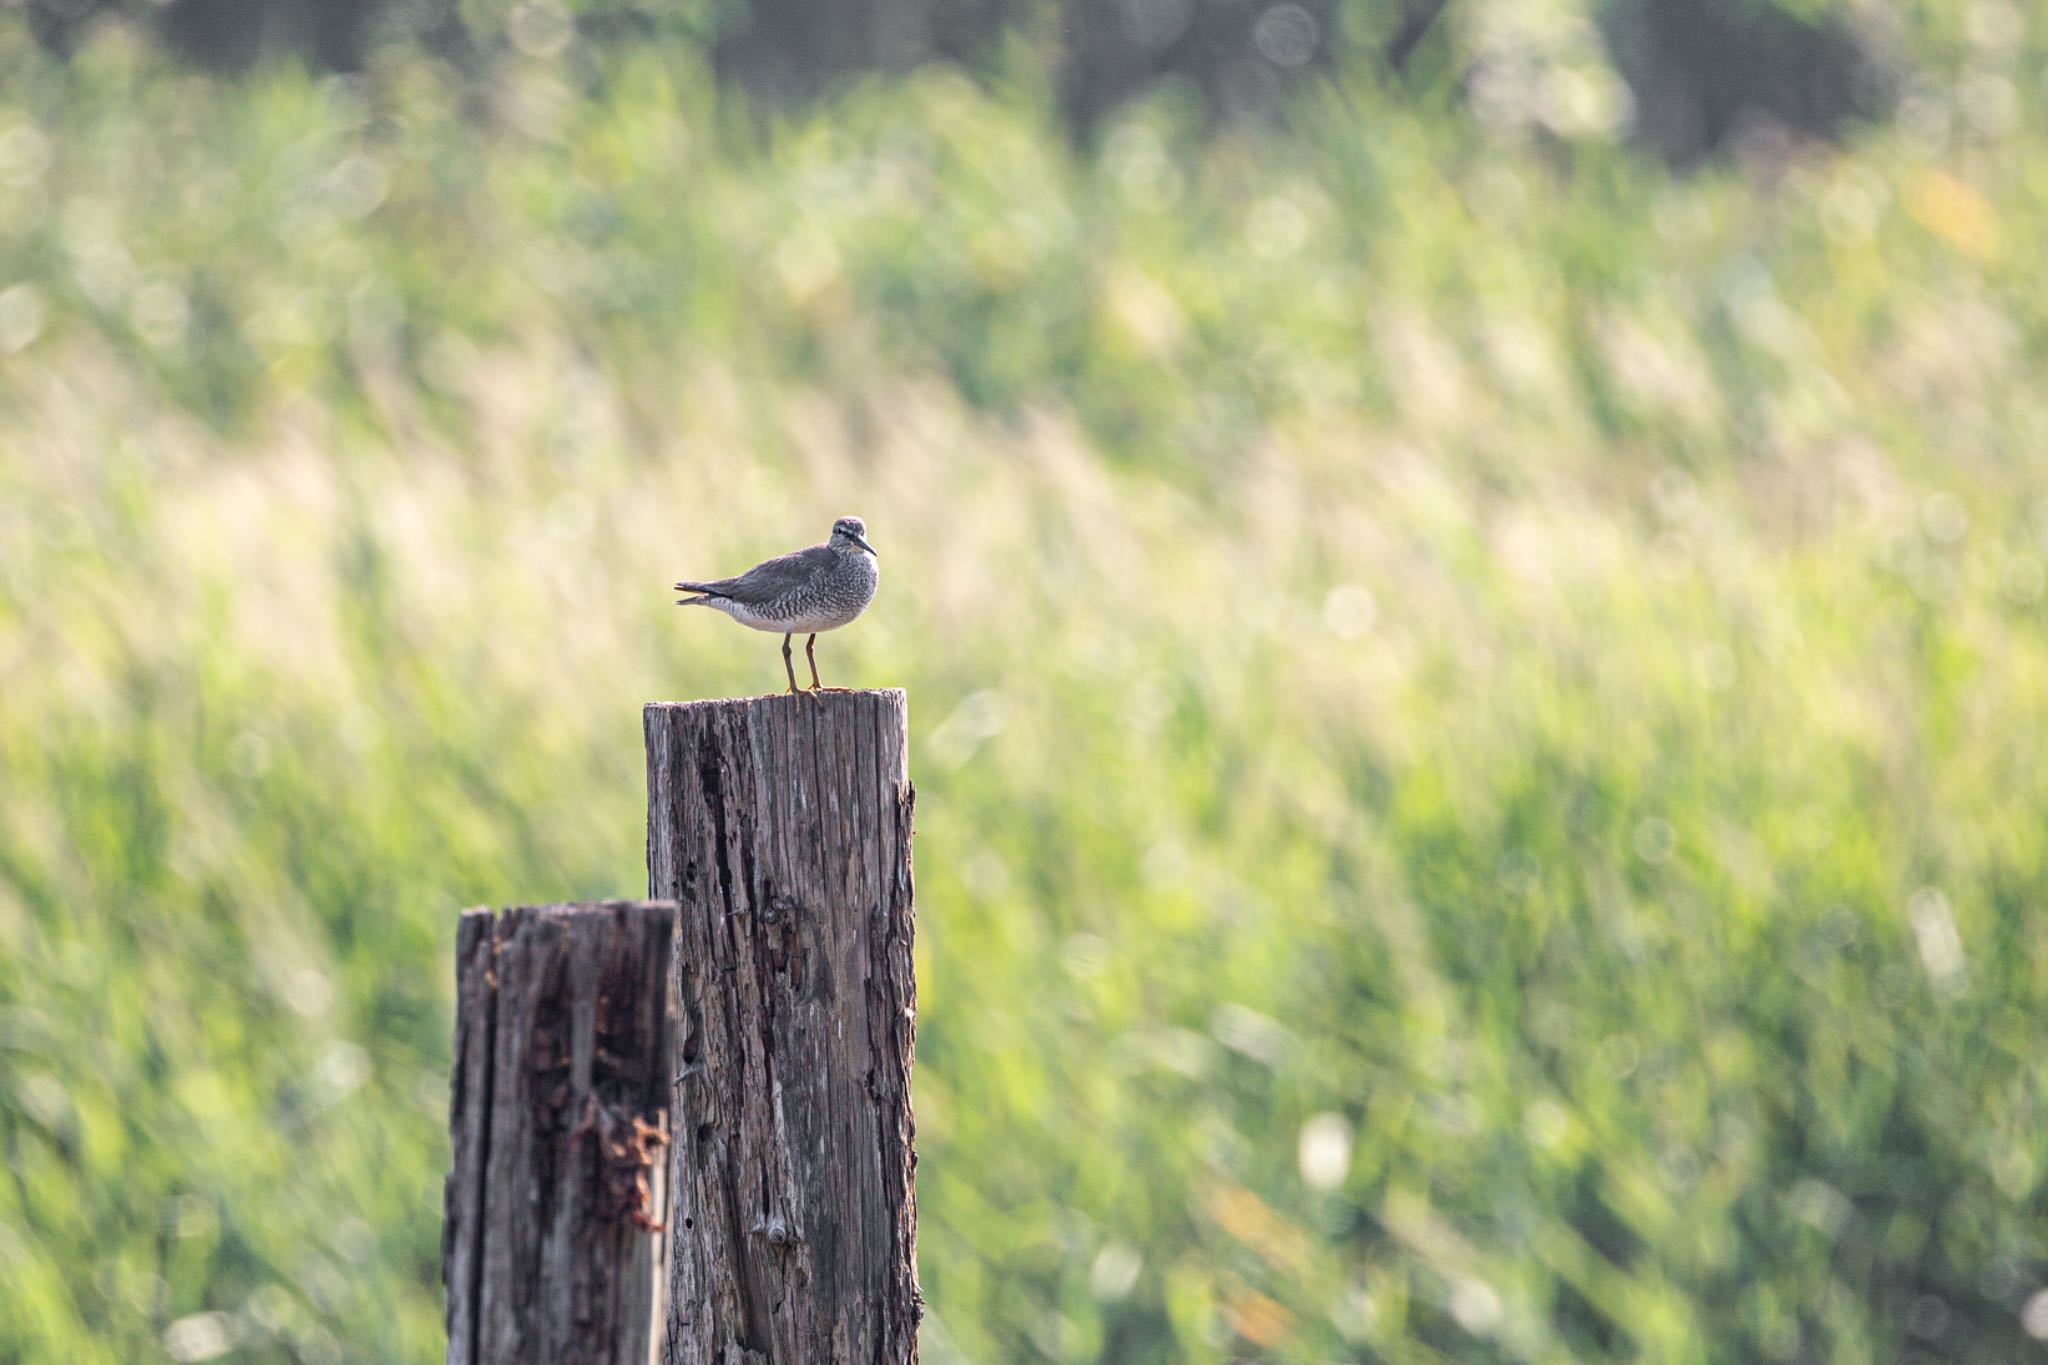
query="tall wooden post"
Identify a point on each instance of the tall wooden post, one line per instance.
(551, 1245)
(781, 827)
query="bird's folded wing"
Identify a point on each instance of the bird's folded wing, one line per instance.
(774, 578)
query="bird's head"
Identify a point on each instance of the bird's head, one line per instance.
(851, 533)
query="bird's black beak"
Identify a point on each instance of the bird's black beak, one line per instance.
(864, 545)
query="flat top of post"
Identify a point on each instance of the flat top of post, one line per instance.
(893, 696)
(572, 907)
(871, 726)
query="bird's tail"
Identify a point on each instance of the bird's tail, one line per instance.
(709, 594)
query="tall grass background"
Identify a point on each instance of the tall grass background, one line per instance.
(1477, 708)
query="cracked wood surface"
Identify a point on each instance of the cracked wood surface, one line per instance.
(564, 1043)
(781, 826)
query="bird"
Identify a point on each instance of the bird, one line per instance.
(807, 591)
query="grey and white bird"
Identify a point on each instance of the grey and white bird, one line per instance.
(805, 592)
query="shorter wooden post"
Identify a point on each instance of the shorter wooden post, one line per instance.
(551, 1248)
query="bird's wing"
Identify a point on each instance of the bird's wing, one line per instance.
(772, 578)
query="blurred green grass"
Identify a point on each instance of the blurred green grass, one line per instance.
(1478, 710)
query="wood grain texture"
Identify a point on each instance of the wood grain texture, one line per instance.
(781, 826)
(558, 1116)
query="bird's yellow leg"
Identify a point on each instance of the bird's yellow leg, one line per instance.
(787, 666)
(817, 686)
(812, 691)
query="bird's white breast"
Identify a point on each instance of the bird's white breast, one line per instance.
(803, 624)
(799, 623)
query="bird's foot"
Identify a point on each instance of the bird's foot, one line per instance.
(820, 687)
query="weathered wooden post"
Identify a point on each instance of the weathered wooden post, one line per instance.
(551, 1245)
(781, 827)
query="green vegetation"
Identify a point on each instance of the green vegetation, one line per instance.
(1478, 710)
